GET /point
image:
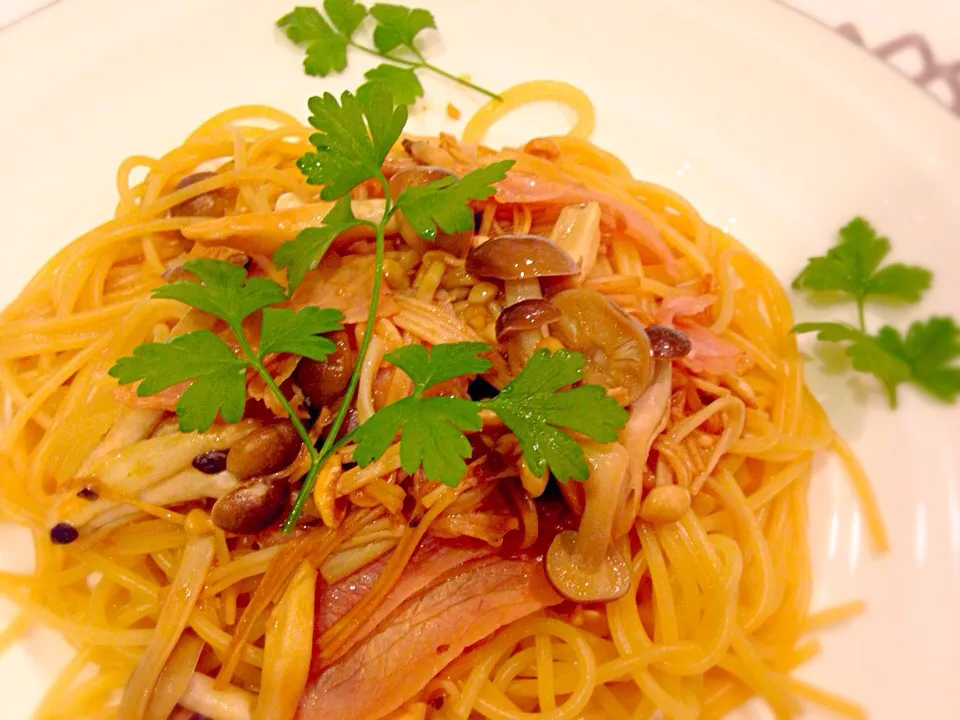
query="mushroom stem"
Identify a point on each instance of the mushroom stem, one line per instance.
(604, 491)
(648, 417)
(521, 347)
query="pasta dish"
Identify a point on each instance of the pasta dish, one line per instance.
(558, 442)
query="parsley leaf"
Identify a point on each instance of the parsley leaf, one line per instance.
(398, 26)
(925, 357)
(402, 82)
(286, 331)
(302, 254)
(326, 48)
(534, 407)
(327, 40)
(446, 202)
(355, 136)
(430, 435)
(225, 290)
(346, 15)
(853, 267)
(931, 350)
(444, 362)
(430, 428)
(218, 376)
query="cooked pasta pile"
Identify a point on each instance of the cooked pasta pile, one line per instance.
(184, 618)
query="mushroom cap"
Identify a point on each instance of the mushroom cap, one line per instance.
(529, 314)
(615, 345)
(251, 507)
(418, 176)
(520, 257)
(575, 581)
(667, 342)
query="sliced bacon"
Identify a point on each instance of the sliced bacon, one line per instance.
(682, 306)
(347, 288)
(709, 352)
(526, 189)
(423, 635)
(432, 560)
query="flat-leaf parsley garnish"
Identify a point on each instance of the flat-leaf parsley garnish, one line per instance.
(326, 40)
(925, 356)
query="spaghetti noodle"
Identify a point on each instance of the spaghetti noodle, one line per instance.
(187, 618)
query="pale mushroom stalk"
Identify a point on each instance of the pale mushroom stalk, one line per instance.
(520, 347)
(648, 418)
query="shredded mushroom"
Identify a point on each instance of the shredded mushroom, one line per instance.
(175, 677)
(181, 600)
(578, 232)
(288, 648)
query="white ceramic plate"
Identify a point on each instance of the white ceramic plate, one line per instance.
(775, 129)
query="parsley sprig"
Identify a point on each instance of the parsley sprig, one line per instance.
(924, 356)
(327, 39)
(354, 135)
(216, 373)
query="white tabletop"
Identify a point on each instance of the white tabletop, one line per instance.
(921, 38)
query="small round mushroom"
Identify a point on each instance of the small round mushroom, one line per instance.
(520, 257)
(251, 507)
(520, 261)
(584, 565)
(615, 345)
(667, 342)
(456, 244)
(530, 314)
(266, 450)
(323, 382)
(212, 204)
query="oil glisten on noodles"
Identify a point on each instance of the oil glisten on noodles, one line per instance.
(676, 579)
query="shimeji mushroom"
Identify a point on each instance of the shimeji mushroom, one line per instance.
(251, 507)
(523, 316)
(520, 261)
(614, 344)
(584, 565)
(456, 244)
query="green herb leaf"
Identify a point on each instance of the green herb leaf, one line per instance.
(225, 290)
(354, 139)
(346, 15)
(444, 362)
(300, 333)
(326, 49)
(446, 202)
(218, 376)
(930, 350)
(925, 357)
(398, 26)
(851, 267)
(402, 82)
(534, 407)
(430, 427)
(302, 254)
(430, 435)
